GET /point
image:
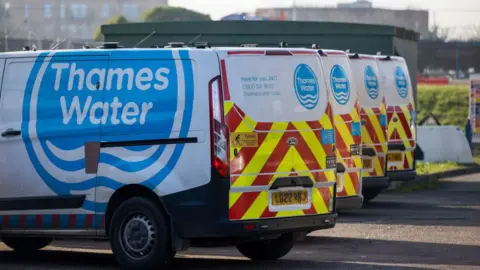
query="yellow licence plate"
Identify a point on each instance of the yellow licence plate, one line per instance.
(395, 157)
(368, 163)
(281, 198)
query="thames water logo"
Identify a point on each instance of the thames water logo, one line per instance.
(371, 83)
(306, 86)
(68, 103)
(340, 85)
(401, 82)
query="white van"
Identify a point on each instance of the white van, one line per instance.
(401, 118)
(373, 113)
(161, 149)
(344, 97)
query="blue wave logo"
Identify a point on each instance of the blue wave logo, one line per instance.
(401, 81)
(340, 85)
(306, 86)
(371, 83)
(69, 103)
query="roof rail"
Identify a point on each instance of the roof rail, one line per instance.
(110, 45)
(175, 45)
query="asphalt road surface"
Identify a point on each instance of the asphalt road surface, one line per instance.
(431, 229)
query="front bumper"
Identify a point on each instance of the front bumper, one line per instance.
(349, 203)
(375, 183)
(402, 176)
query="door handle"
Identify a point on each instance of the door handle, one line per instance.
(11, 133)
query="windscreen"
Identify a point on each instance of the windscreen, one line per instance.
(366, 77)
(277, 88)
(340, 83)
(396, 82)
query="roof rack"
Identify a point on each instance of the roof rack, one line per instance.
(175, 45)
(249, 45)
(110, 45)
(200, 44)
(354, 56)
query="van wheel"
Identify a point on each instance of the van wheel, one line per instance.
(369, 195)
(139, 235)
(26, 245)
(267, 249)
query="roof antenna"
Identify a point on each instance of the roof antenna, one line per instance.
(194, 39)
(71, 34)
(145, 38)
(16, 29)
(7, 35)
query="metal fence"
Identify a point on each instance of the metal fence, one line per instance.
(456, 56)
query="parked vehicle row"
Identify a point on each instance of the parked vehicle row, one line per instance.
(161, 149)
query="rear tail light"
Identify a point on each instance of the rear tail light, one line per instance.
(219, 134)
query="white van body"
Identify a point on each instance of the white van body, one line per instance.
(373, 113)
(401, 112)
(344, 97)
(96, 142)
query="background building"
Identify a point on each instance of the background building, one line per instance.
(52, 19)
(360, 11)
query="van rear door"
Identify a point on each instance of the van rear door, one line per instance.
(401, 113)
(373, 114)
(281, 137)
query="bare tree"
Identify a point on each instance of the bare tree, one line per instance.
(474, 33)
(439, 33)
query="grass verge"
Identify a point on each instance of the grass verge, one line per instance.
(424, 168)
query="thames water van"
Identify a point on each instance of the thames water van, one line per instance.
(343, 96)
(160, 149)
(373, 113)
(401, 118)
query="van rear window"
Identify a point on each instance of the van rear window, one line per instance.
(277, 88)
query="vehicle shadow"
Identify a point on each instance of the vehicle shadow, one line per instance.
(67, 260)
(456, 204)
(392, 252)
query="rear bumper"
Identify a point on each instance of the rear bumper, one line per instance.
(402, 176)
(375, 183)
(349, 203)
(202, 213)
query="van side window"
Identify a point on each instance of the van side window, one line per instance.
(13, 88)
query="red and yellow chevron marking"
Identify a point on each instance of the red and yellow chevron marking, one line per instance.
(400, 132)
(374, 136)
(258, 167)
(353, 163)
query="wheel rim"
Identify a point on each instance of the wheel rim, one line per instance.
(137, 236)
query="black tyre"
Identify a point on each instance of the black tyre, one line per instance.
(140, 235)
(26, 245)
(370, 194)
(267, 249)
